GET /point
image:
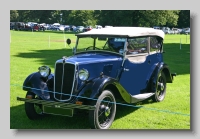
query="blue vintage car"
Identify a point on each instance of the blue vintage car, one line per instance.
(108, 66)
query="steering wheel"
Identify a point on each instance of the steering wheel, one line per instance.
(92, 47)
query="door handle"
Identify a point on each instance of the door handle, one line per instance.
(126, 69)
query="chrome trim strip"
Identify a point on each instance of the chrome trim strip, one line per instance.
(62, 82)
(125, 50)
(148, 45)
(141, 97)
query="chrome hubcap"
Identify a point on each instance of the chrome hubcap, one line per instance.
(106, 110)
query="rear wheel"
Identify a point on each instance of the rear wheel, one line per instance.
(160, 88)
(104, 114)
(33, 111)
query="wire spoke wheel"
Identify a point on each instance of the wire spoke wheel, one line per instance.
(160, 88)
(104, 114)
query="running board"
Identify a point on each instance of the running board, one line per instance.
(141, 97)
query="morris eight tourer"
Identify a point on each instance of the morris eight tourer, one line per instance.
(108, 66)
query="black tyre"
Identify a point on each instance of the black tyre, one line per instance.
(33, 111)
(160, 88)
(104, 114)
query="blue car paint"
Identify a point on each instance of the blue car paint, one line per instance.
(34, 83)
(137, 77)
(96, 83)
(165, 68)
(96, 63)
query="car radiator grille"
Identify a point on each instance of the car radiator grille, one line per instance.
(64, 78)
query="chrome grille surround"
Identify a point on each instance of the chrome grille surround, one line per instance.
(64, 80)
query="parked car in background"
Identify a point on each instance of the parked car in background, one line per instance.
(185, 31)
(156, 27)
(35, 27)
(55, 27)
(12, 24)
(19, 26)
(88, 28)
(175, 30)
(56, 24)
(98, 27)
(167, 30)
(109, 66)
(107, 26)
(43, 26)
(70, 28)
(78, 29)
(61, 28)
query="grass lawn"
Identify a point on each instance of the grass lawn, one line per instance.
(29, 50)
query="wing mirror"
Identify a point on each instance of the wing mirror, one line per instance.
(68, 41)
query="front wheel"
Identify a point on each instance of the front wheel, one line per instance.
(104, 114)
(160, 88)
(33, 111)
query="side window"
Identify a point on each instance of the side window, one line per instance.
(137, 45)
(154, 44)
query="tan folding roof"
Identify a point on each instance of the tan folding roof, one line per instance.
(122, 32)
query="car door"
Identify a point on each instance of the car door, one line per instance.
(138, 68)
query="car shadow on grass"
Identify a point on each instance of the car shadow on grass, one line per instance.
(46, 57)
(19, 120)
(80, 120)
(54, 31)
(124, 109)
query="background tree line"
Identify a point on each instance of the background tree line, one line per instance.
(147, 18)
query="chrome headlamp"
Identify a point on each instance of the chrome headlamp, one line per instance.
(44, 71)
(83, 74)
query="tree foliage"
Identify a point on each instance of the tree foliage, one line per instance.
(184, 18)
(81, 17)
(13, 15)
(158, 18)
(147, 18)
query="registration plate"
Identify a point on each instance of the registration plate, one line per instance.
(58, 111)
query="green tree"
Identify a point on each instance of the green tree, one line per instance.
(13, 15)
(82, 17)
(184, 19)
(146, 18)
(151, 18)
(24, 16)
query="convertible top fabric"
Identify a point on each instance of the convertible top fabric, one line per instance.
(123, 32)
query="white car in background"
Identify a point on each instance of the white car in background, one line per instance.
(61, 27)
(56, 24)
(167, 30)
(176, 30)
(108, 26)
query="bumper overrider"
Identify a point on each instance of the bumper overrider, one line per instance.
(57, 108)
